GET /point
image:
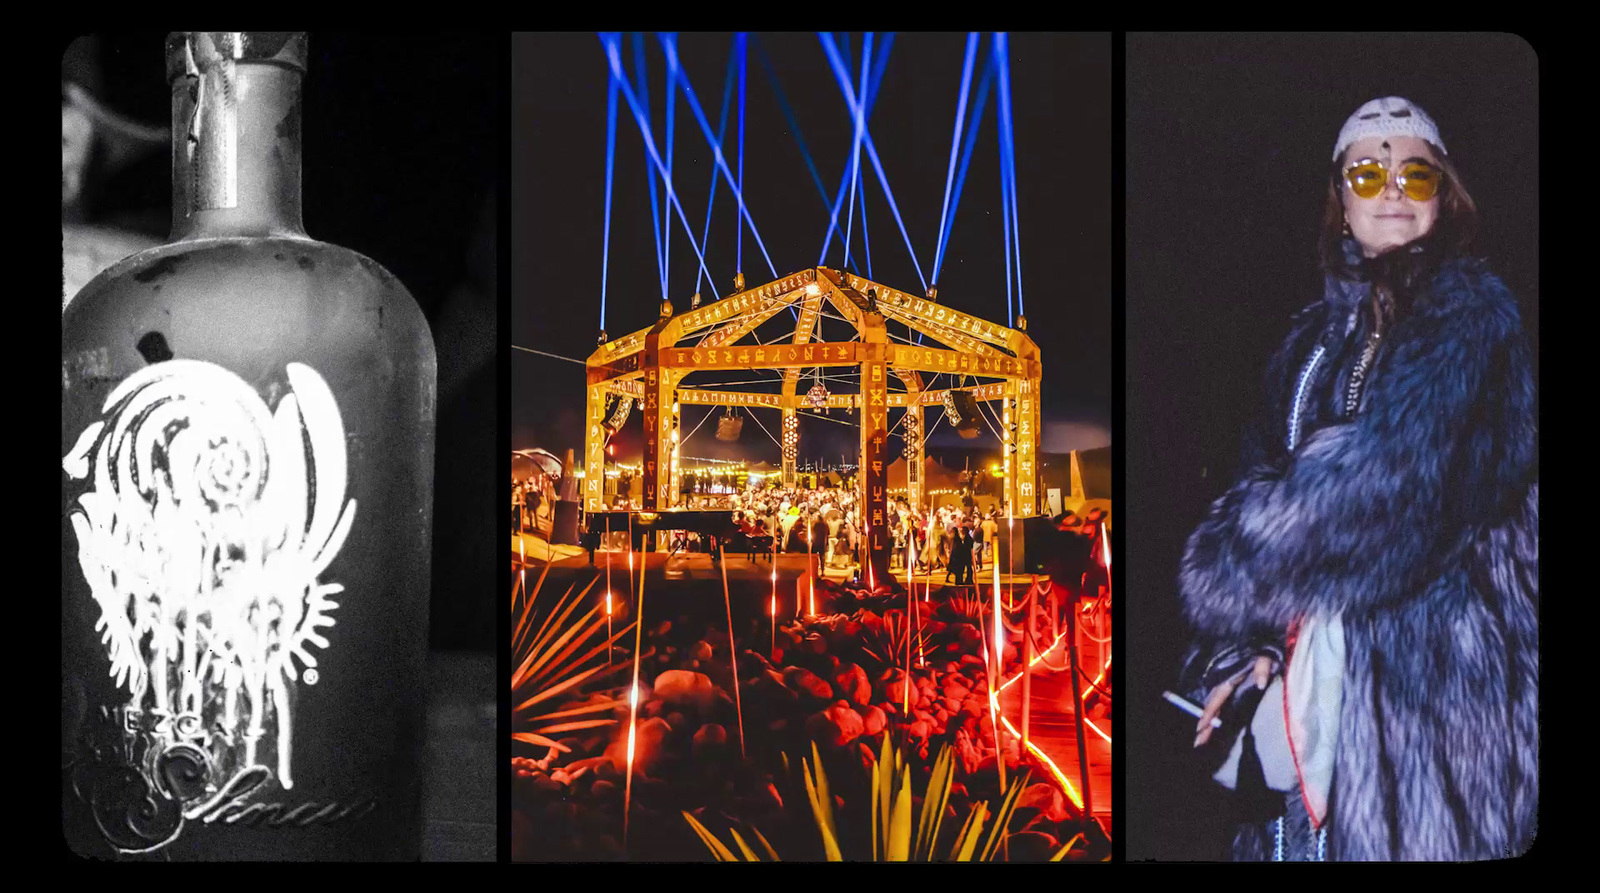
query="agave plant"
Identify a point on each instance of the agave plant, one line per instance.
(963, 608)
(886, 644)
(892, 837)
(554, 659)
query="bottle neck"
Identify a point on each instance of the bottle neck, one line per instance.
(236, 151)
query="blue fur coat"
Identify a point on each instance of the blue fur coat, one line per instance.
(1416, 519)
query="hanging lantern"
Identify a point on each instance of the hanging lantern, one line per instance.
(730, 426)
(817, 396)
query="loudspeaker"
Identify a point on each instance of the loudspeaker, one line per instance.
(961, 412)
(617, 408)
(729, 427)
(564, 526)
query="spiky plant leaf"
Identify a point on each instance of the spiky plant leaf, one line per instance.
(1069, 845)
(874, 811)
(884, 793)
(886, 645)
(821, 807)
(939, 795)
(967, 843)
(771, 853)
(722, 853)
(900, 822)
(749, 855)
(998, 831)
(556, 649)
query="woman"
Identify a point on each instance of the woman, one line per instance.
(1377, 561)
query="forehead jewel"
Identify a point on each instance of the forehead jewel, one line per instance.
(1387, 117)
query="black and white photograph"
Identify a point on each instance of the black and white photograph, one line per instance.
(279, 429)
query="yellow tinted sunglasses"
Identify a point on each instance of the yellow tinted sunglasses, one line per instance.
(1419, 180)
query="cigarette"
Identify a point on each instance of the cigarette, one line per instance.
(1188, 707)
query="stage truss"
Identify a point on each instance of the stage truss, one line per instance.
(651, 365)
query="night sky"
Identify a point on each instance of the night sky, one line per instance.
(1061, 95)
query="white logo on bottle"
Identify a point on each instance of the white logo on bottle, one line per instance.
(208, 523)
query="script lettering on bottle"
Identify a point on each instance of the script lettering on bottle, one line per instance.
(259, 495)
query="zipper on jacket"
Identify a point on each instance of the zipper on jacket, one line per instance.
(1301, 386)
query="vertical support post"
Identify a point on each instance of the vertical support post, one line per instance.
(1025, 420)
(913, 451)
(659, 384)
(874, 444)
(655, 433)
(1077, 706)
(675, 479)
(594, 450)
(791, 443)
(1008, 464)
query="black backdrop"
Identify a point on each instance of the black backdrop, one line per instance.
(1227, 141)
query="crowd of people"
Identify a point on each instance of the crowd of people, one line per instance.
(828, 523)
(528, 497)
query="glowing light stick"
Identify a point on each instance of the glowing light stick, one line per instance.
(811, 583)
(1105, 553)
(633, 696)
(773, 609)
(733, 656)
(608, 584)
(992, 678)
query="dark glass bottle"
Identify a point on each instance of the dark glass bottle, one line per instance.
(247, 428)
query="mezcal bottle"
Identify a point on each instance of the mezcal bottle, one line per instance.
(247, 429)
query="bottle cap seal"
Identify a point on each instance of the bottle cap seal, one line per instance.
(188, 52)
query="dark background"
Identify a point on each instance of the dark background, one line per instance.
(1228, 141)
(402, 137)
(1061, 97)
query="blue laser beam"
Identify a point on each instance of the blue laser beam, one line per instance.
(614, 54)
(859, 110)
(871, 94)
(716, 151)
(966, 151)
(955, 143)
(741, 49)
(1009, 154)
(722, 130)
(794, 123)
(1005, 228)
(843, 79)
(844, 178)
(655, 208)
(866, 244)
(611, 154)
(666, 227)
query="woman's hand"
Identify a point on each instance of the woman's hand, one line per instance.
(1260, 674)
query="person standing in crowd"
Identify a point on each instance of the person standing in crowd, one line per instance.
(991, 537)
(960, 557)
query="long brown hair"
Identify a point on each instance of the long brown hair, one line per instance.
(1453, 231)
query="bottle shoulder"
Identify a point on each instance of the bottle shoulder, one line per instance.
(234, 274)
(250, 304)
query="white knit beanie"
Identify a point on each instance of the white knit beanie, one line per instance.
(1389, 116)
